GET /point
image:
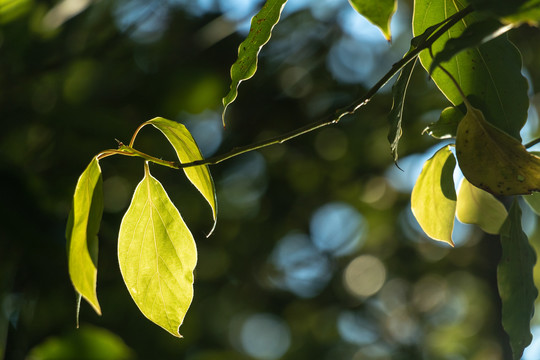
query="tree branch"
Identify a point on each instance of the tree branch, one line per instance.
(350, 110)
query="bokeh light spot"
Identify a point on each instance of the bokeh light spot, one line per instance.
(356, 329)
(242, 186)
(265, 336)
(300, 267)
(364, 276)
(337, 228)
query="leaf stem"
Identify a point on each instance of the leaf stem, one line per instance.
(129, 151)
(137, 132)
(349, 110)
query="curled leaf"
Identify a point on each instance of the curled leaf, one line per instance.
(493, 160)
(81, 233)
(433, 199)
(187, 151)
(396, 113)
(157, 255)
(248, 51)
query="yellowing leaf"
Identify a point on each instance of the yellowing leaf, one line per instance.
(433, 199)
(378, 12)
(81, 233)
(493, 160)
(157, 255)
(187, 151)
(476, 206)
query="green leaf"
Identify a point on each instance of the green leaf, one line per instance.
(490, 74)
(187, 151)
(515, 11)
(378, 12)
(248, 51)
(81, 233)
(433, 199)
(515, 282)
(474, 35)
(396, 114)
(446, 126)
(87, 343)
(533, 201)
(475, 206)
(157, 255)
(493, 160)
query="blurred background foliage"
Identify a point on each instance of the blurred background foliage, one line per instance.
(316, 254)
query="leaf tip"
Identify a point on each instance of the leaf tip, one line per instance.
(212, 229)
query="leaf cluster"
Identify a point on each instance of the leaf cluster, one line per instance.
(464, 48)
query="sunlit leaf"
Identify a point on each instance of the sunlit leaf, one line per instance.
(81, 233)
(248, 51)
(187, 151)
(11, 10)
(493, 160)
(490, 74)
(396, 114)
(476, 206)
(446, 126)
(474, 35)
(378, 12)
(157, 255)
(433, 199)
(515, 282)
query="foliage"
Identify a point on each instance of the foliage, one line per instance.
(156, 250)
(433, 199)
(463, 46)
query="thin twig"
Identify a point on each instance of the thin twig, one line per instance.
(532, 143)
(350, 110)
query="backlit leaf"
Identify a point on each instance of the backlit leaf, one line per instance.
(396, 114)
(533, 201)
(490, 74)
(493, 160)
(248, 51)
(433, 199)
(81, 233)
(476, 206)
(474, 35)
(446, 126)
(378, 12)
(187, 151)
(157, 255)
(515, 282)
